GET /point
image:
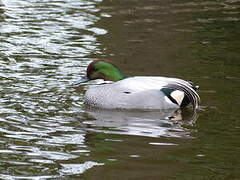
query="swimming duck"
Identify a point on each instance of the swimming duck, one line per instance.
(138, 92)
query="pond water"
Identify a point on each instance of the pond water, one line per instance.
(46, 132)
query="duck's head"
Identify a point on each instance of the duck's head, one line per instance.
(102, 69)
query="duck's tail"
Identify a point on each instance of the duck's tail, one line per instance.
(183, 94)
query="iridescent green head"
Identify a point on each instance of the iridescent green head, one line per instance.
(102, 69)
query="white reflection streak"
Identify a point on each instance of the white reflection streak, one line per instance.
(70, 169)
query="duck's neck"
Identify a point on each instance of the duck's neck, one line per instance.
(114, 75)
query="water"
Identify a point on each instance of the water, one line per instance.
(47, 133)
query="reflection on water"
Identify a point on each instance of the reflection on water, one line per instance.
(45, 131)
(41, 44)
(70, 169)
(167, 123)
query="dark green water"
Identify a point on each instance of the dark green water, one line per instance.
(47, 133)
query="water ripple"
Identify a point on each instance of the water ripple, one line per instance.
(42, 42)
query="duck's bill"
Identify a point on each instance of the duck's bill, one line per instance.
(82, 80)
